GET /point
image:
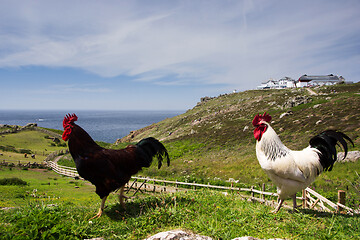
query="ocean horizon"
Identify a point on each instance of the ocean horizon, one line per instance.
(102, 125)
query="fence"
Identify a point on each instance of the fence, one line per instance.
(63, 170)
(310, 199)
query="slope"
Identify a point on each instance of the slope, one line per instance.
(214, 140)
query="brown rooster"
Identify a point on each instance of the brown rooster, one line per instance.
(109, 169)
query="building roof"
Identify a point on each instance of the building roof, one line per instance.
(308, 78)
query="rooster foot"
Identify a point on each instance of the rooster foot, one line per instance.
(274, 211)
(278, 206)
(101, 209)
(294, 210)
(98, 214)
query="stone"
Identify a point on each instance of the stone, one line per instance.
(288, 113)
(177, 235)
(296, 101)
(352, 156)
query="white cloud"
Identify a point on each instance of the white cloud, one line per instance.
(182, 42)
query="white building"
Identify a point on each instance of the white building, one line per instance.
(303, 81)
(319, 80)
(285, 82)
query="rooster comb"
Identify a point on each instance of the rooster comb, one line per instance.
(265, 117)
(68, 119)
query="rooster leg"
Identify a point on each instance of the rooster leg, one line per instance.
(122, 196)
(278, 206)
(101, 208)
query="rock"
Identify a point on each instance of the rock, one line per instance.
(246, 238)
(182, 235)
(288, 113)
(296, 101)
(233, 180)
(352, 156)
(177, 235)
(30, 125)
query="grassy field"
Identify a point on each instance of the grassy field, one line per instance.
(50, 207)
(16, 144)
(211, 143)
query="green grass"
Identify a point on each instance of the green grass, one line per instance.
(47, 183)
(33, 140)
(57, 210)
(207, 144)
(215, 139)
(13, 146)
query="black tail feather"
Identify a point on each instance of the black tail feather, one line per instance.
(326, 143)
(153, 148)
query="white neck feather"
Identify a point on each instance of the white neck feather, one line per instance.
(271, 145)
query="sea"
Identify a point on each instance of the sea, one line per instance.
(105, 126)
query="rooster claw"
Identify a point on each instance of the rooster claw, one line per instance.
(97, 215)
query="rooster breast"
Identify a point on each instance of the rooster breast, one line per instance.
(291, 171)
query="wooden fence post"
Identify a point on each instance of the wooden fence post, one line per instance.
(341, 199)
(304, 199)
(263, 190)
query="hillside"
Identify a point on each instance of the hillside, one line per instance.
(218, 119)
(214, 140)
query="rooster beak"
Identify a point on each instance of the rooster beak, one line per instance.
(262, 122)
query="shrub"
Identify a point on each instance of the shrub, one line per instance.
(12, 181)
(25, 151)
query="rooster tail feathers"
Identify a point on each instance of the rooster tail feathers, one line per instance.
(326, 143)
(153, 148)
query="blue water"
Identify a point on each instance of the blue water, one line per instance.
(106, 126)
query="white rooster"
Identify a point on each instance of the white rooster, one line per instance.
(290, 170)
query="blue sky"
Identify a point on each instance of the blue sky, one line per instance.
(166, 55)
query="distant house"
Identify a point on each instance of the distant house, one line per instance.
(319, 80)
(285, 82)
(303, 81)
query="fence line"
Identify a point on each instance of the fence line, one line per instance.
(310, 199)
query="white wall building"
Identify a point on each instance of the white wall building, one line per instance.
(303, 81)
(319, 80)
(285, 82)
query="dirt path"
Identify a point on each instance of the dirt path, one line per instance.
(311, 92)
(57, 159)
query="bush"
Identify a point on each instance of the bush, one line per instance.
(27, 151)
(12, 181)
